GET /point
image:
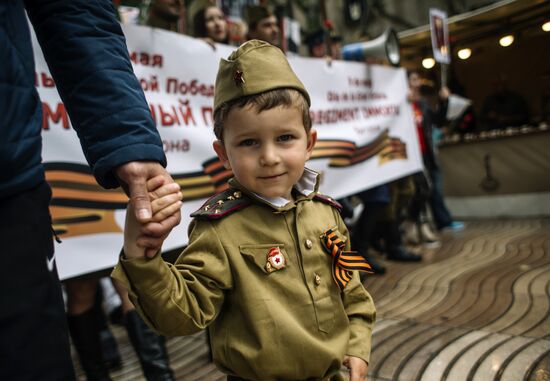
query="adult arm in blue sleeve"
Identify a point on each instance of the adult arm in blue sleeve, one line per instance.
(86, 53)
(87, 56)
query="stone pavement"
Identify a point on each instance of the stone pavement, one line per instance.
(476, 308)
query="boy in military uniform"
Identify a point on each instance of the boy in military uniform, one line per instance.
(268, 268)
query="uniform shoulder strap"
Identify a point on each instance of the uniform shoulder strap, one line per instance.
(222, 204)
(328, 200)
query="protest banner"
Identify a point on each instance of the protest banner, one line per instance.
(440, 36)
(366, 137)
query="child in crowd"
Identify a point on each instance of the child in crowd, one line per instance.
(268, 268)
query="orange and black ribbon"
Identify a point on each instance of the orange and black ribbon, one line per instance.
(343, 262)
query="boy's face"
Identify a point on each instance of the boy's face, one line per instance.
(266, 151)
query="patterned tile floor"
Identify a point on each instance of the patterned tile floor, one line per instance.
(477, 308)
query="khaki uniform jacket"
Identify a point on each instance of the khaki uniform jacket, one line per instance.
(265, 324)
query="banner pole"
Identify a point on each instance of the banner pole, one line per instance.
(444, 70)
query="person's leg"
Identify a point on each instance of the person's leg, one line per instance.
(394, 248)
(412, 221)
(34, 343)
(84, 318)
(359, 231)
(363, 231)
(441, 215)
(389, 226)
(109, 347)
(419, 211)
(150, 347)
(81, 295)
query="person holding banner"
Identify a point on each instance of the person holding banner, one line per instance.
(268, 268)
(88, 58)
(167, 14)
(262, 24)
(426, 119)
(209, 24)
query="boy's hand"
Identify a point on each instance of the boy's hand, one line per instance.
(358, 368)
(165, 199)
(165, 207)
(153, 233)
(133, 177)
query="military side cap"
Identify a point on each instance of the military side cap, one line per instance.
(255, 13)
(255, 67)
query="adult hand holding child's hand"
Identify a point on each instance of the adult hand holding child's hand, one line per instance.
(165, 206)
(135, 178)
(165, 202)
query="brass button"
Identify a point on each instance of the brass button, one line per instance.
(309, 244)
(317, 279)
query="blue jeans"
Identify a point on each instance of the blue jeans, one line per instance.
(442, 216)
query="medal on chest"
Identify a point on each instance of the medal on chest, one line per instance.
(275, 260)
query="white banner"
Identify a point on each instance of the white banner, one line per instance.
(364, 123)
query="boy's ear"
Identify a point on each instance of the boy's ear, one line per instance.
(311, 140)
(222, 153)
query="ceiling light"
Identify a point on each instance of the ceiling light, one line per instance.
(465, 53)
(428, 63)
(546, 26)
(506, 40)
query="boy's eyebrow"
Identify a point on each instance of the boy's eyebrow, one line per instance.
(245, 134)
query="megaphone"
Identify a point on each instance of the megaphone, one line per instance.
(384, 46)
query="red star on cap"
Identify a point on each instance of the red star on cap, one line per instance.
(238, 77)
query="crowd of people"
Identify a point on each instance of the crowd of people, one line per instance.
(208, 21)
(408, 210)
(501, 109)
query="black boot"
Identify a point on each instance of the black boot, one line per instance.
(150, 348)
(377, 268)
(109, 349)
(394, 248)
(84, 329)
(398, 253)
(109, 346)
